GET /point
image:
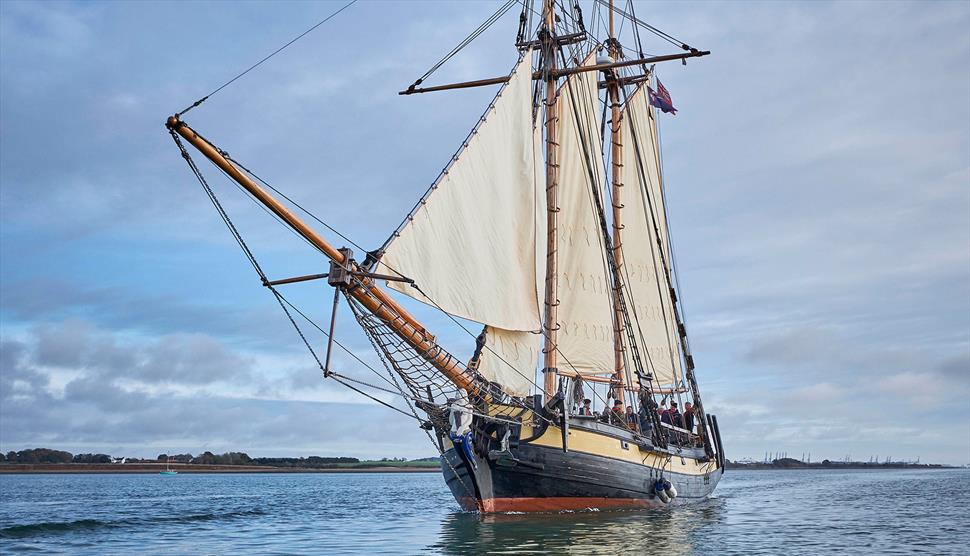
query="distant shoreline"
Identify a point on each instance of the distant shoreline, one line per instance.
(148, 468)
(836, 466)
(154, 468)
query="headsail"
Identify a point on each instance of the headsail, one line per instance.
(510, 359)
(470, 245)
(585, 302)
(644, 217)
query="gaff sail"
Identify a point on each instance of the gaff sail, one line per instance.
(644, 219)
(585, 301)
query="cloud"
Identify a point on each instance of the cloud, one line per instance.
(172, 358)
(105, 407)
(818, 205)
(821, 393)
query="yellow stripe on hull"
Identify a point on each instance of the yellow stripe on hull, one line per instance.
(598, 444)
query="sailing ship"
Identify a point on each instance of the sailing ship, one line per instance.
(547, 231)
(168, 468)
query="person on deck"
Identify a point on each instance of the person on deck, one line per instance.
(664, 413)
(616, 416)
(605, 415)
(632, 419)
(689, 417)
(647, 405)
(585, 409)
(676, 419)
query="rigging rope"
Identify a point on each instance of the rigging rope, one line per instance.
(239, 239)
(647, 26)
(280, 299)
(466, 41)
(297, 205)
(257, 64)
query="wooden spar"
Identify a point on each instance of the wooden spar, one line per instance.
(599, 379)
(295, 279)
(616, 152)
(462, 85)
(637, 62)
(558, 73)
(369, 294)
(551, 302)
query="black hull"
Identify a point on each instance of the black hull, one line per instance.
(545, 478)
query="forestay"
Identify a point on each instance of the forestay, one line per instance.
(643, 217)
(471, 244)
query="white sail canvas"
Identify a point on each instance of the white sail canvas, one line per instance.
(471, 246)
(648, 294)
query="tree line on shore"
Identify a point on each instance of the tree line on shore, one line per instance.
(47, 455)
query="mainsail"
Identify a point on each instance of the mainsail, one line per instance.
(644, 219)
(470, 245)
(585, 302)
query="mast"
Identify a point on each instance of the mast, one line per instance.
(367, 292)
(616, 151)
(551, 313)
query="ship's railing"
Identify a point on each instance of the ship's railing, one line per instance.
(682, 437)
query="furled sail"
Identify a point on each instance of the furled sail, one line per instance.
(470, 245)
(585, 307)
(643, 218)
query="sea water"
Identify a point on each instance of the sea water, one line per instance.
(752, 513)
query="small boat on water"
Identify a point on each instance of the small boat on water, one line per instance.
(549, 229)
(168, 469)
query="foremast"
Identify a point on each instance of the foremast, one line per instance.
(616, 158)
(550, 322)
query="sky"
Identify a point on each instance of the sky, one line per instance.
(818, 187)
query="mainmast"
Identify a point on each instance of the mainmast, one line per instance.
(616, 155)
(551, 314)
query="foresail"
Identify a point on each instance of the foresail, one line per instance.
(585, 302)
(510, 358)
(470, 246)
(653, 319)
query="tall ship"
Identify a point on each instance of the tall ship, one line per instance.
(545, 242)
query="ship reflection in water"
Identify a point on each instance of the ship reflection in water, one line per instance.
(667, 531)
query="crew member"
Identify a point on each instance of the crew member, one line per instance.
(616, 416)
(689, 417)
(632, 419)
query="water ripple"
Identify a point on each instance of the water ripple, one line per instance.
(754, 513)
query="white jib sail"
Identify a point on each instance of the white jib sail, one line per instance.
(652, 311)
(510, 359)
(471, 246)
(585, 337)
